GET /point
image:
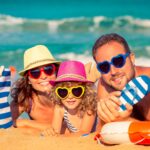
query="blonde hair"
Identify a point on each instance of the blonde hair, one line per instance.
(89, 99)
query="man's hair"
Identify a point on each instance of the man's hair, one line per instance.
(106, 38)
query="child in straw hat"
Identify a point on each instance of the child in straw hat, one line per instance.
(75, 100)
(30, 93)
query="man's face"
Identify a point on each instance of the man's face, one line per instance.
(116, 77)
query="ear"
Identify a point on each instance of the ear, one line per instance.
(132, 57)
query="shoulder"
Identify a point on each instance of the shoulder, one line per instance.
(103, 89)
(140, 70)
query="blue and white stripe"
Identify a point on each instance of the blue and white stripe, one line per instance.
(5, 113)
(68, 123)
(134, 91)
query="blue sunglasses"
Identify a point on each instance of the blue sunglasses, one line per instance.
(117, 61)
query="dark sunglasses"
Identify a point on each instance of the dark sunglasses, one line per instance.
(48, 70)
(76, 91)
(117, 61)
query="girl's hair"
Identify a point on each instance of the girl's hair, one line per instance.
(21, 92)
(89, 99)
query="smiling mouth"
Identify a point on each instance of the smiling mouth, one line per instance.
(44, 83)
(117, 80)
(71, 102)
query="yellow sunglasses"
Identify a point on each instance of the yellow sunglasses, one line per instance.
(76, 91)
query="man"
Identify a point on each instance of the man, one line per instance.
(114, 76)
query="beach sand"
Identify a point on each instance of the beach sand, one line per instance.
(15, 139)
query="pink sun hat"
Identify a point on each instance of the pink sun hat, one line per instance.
(71, 71)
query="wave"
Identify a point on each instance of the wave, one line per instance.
(85, 58)
(13, 57)
(80, 24)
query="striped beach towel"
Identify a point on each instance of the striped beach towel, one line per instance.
(5, 114)
(134, 91)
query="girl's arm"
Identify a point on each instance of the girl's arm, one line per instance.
(87, 123)
(57, 123)
(58, 119)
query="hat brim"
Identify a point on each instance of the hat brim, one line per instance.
(21, 73)
(53, 82)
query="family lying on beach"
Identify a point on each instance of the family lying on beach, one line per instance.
(61, 98)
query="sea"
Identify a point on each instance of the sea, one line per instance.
(69, 28)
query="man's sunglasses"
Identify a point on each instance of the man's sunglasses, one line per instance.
(76, 91)
(48, 70)
(117, 61)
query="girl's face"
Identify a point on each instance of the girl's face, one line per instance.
(71, 102)
(70, 96)
(40, 77)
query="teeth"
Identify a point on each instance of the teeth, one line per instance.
(44, 83)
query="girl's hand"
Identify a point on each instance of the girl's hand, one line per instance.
(49, 132)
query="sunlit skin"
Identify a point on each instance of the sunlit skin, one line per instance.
(42, 102)
(111, 84)
(42, 108)
(71, 103)
(116, 77)
(42, 83)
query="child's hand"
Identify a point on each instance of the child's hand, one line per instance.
(1, 70)
(49, 132)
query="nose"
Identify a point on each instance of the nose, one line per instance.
(113, 70)
(43, 75)
(70, 95)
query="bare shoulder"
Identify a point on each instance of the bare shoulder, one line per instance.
(103, 89)
(141, 70)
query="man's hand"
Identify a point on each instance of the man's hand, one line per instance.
(91, 72)
(108, 108)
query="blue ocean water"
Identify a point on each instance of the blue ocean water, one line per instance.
(70, 27)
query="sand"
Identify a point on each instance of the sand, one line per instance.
(14, 139)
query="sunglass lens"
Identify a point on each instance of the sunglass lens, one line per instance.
(49, 70)
(35, 73)
(62, 92)
(77, 91)
(104, 67)
(118, 61)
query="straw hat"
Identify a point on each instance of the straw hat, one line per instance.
(37, 56)
(71, 71)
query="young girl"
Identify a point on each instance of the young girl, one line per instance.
(75, 100)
